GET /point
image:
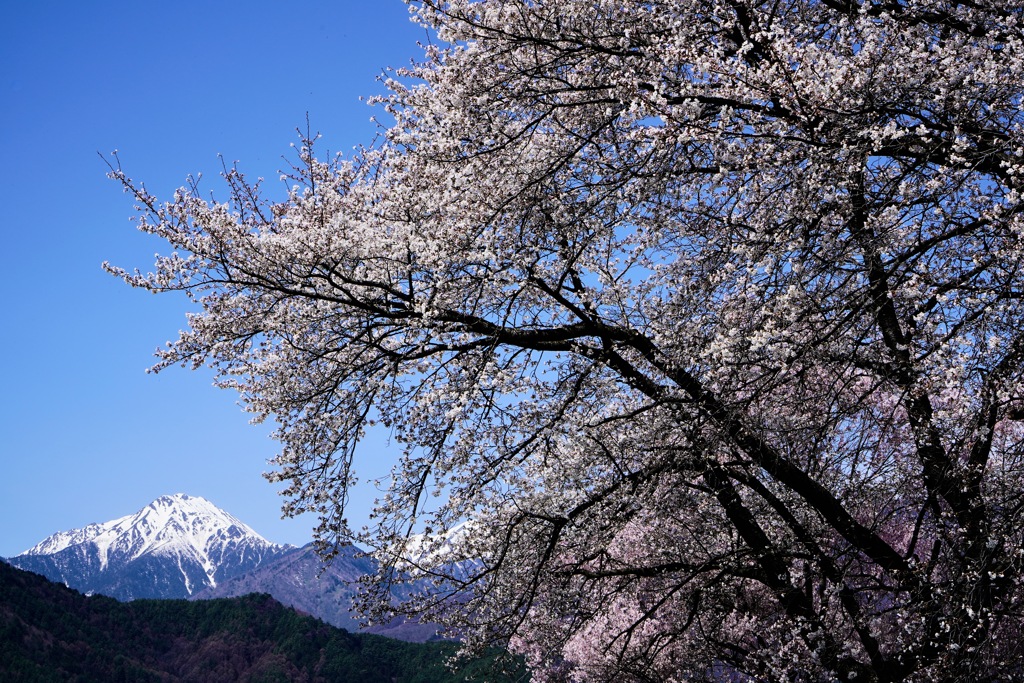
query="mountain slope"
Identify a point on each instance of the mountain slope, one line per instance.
(49, 632)
(299, 579)
(175, 546)
(295, 579)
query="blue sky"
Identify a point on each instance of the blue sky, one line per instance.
(86, 434)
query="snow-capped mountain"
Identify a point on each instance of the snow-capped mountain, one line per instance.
(175, 546)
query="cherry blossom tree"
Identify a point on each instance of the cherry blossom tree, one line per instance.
(702, 317)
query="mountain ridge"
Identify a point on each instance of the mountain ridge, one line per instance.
(301, 580)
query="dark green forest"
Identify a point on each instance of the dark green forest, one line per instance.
(51, 633)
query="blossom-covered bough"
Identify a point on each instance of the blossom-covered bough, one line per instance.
(705, 314)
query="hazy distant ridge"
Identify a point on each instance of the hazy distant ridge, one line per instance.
(300, 580)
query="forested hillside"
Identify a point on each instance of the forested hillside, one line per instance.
(51, 633)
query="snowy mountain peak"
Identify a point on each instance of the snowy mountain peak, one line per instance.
(169, 523)
(190, 533)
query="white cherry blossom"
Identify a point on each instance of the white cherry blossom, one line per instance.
(705, 314)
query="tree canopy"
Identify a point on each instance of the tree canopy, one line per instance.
(704, 316)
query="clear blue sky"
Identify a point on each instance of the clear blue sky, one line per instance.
(87, 435)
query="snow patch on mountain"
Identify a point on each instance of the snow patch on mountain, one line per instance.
(449, 551)
(432, 549)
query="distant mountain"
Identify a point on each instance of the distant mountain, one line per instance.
(299, 579)
(172, 548)
(185, 547)
(51, 633)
